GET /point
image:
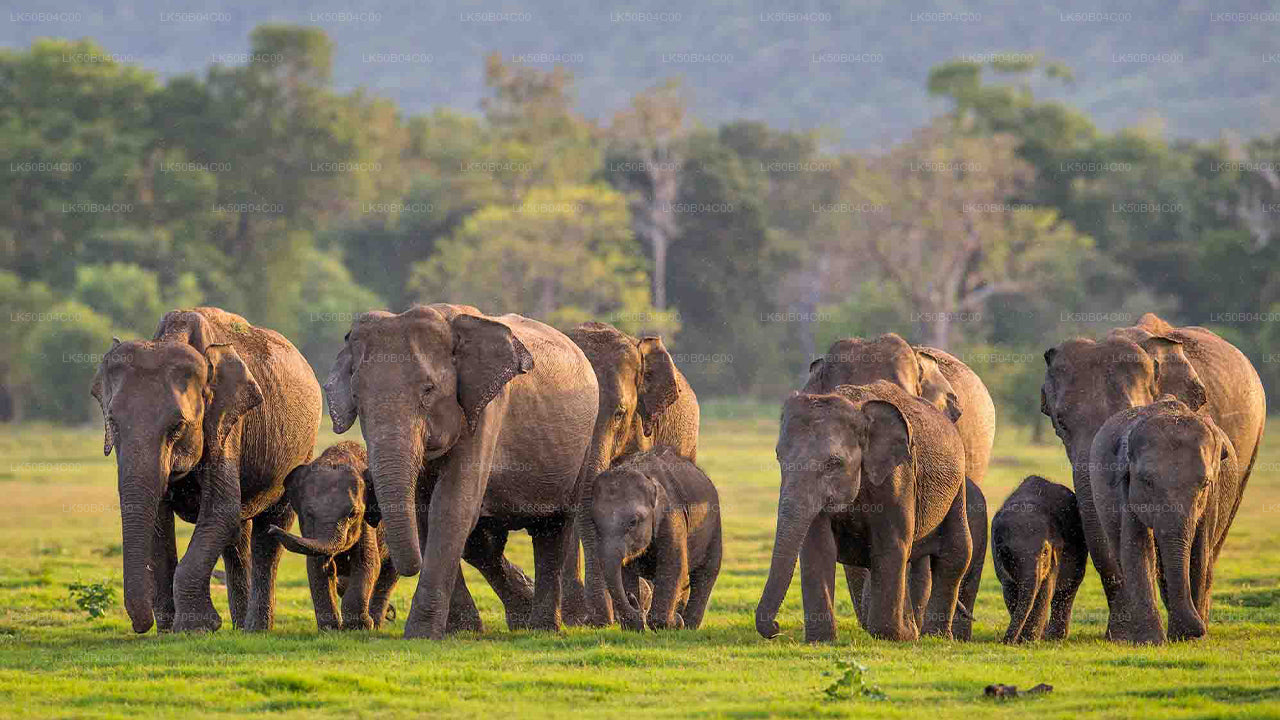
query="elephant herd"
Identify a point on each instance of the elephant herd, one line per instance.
(475, 426)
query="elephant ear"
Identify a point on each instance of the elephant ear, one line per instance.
(936, 388)
(293, 481)
(886, 441)
(337, 390)
(816, 368)
(372, 510)
(487, 356)
(1174, 373)
(101, 392)
(658, 386)
(231, 392)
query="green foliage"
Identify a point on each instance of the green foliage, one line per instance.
(94, 598)
(850, 682)
(62, 352)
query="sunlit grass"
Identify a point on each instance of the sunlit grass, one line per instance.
(59, 524)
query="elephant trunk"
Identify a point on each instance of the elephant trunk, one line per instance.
(395, 464)
(1029, 586)
(1173, 549)
(794, 520)
(307, 546)
(631, 616)
(140, 490)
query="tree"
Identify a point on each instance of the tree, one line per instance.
(934, 217)
(563, 256)
(652, 132)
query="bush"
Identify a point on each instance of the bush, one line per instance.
(61, 354)
(93, 598)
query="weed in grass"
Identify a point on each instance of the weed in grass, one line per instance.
(94, 598)
(850, 682)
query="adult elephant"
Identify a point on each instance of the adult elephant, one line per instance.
(645, 402)
(473, 423)
(953, 388)
(872, 477)
(1088, 381)
(207, 419)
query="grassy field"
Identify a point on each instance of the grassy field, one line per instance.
(58, 525)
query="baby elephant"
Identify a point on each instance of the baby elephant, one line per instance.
(1166, 484)
(657, 517)
(1040, 556)
(347, 556)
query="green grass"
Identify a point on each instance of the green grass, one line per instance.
(58, 525)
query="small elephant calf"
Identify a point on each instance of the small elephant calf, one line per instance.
(347, 556)
(657, 517)
(1040, 555)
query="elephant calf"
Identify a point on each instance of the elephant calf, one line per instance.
(1040, 557)
(347, 556)
(1167, 487)
(656, 516)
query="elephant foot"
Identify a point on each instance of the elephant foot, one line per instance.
(820, 634)
(677, 623)
(962, 630)
(164, 621)
(364, 622)
(1187, 631)
(205, 620)
(632, 624)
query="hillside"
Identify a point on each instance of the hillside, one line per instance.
(859, 71)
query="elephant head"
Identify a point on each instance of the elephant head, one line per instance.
(935, 388)
(166, 408)
(626, 510)
(419, 382)
(1086, 382)
(856, 361)
(333, 503)
(638, 383)
(1172, 463)
(829, 445)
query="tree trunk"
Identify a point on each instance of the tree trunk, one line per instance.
(659, 240)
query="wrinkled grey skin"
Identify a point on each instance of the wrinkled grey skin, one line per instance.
(871, 477)
(656, 516)
(346, 552)
(949, 385)
(645, 402)
(207, 419)
(1087, 382)
(472, 423)
(1166, 482)
(1039, 553)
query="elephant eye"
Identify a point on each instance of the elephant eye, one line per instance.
(176, 430)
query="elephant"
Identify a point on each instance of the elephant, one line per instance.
(954, 389)
(207, 419)
(476, 426)
(346, 549)
(645, 402)
(872, 476)
(656, 515)
(1040, 556)
(1166, 481)
(1087, 382)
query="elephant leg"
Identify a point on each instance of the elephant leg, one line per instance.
(362, 573)
(949, 566)
(670, 576)
(1095, 535)
(548, 559)
(1064, 596)
(962, 624)
(381, 598)
(818, 582)
(1138, 555)
(1198, 569)
(164, 560)
(887, 606)
(484, 551)
(322, 578)
(217, 524)
(920, 583)
(453, 513)
(856, 578)
(463, 615)
(701, 581)
(573, 593)
(236, 559)
(266, 553)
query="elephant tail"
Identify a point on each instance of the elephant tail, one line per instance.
(1030, 585)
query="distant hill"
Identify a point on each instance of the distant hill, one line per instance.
(1200, 67)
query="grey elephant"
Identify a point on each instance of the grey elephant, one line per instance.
(1039, 553)
(1087, 382)
(656, 516)
(871, 477)
(954, 389)
(476, 426)
(346, 550)
(645, 402)
(1166, 483)
(207, 419)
